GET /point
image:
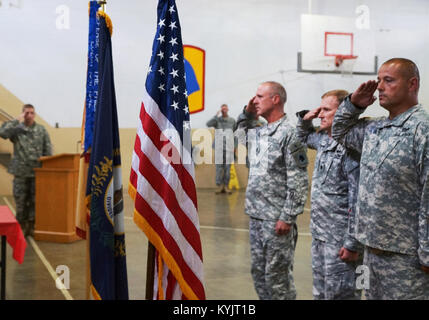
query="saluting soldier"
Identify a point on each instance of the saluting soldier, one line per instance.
(224, 150)
(30, 142)
(392, 217)
(335, 252)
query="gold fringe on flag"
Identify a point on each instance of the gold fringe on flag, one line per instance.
(108, 21)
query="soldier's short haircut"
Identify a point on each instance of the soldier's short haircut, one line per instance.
(26, 106)
(277, 88)
(409, 68)
(339, 94)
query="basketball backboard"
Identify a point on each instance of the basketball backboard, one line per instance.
(331, 44)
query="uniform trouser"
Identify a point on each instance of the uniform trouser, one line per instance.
(395, 276)
(23, 192)
(272, 260)
(333, 279)
(223, 174)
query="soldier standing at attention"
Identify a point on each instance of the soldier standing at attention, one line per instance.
(392, 214)
(276, 193)
(334, 250)
(30, 142)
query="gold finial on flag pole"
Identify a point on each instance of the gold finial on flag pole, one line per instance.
(103, 5)
(103, 13)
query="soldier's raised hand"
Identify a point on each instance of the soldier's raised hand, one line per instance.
(251, 106)
(310, 115)
(21, 117)
(364, 95)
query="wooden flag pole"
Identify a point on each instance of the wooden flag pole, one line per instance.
(150, 270)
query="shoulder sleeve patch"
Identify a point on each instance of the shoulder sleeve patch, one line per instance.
(299, 154)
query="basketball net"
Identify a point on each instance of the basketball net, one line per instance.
(345, 64)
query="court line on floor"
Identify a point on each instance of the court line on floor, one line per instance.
(305, 234)
(243, 230)
(224, 228)
(42, 257)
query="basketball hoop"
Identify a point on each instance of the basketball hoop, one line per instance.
(345, 64)
(333, 45)
(340, 45)
(339, 59)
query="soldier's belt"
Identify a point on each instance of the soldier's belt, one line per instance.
(380, 252)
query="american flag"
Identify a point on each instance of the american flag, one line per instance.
(162, 173)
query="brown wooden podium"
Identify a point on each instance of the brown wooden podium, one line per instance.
(56, 193)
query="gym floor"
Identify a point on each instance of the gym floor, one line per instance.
(226, 254)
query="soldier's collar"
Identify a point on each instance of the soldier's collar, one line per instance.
(399, 120)
(272, 127)
(32, 126)
(327, 143)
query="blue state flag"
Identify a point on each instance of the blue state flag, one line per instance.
(104, 184)
(88, 118)
(92, 75)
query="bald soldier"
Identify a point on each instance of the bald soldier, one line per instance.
(392, 214)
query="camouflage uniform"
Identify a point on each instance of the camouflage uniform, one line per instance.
(276, 190)
(392, 214)
(333, 202)
(223, 161)
(246, 123)
(29, 144)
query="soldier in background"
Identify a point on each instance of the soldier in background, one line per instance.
(224, 149)
(335, 251)
(276, 193)
(30, 142)
(392, 212)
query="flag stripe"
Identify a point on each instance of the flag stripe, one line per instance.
(183, 201)
(169, 173)
(168, 196)
(190, 284)
(152, 109)
(168, 238)
(161, 210)
(159, 140)
(171, 285)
